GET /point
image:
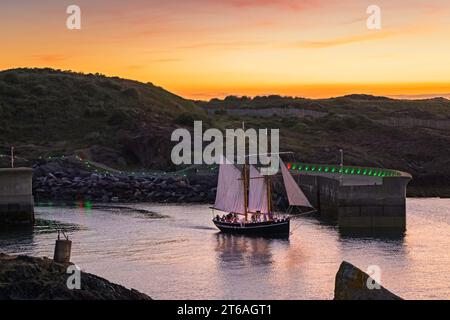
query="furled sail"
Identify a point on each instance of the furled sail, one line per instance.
(257, 196)
(230, 189)
(295, 195)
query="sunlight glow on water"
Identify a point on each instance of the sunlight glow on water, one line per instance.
(176, 253)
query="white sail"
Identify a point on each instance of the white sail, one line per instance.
(257, 197)
(295, 195)
(230, 189)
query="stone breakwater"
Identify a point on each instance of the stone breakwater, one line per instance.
(63, 181)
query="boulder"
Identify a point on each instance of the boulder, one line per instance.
(351, 284)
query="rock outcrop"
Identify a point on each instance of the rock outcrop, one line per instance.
(152, 148)
(29, 278)
(351, 284)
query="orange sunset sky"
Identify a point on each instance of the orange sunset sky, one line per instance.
(212, 48)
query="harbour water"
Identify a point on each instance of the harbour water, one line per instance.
(175, 252)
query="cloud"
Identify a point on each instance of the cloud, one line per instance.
(226, 45)
(49, 58)
(286, 4)
(369, 36)
(162, 60)
(344, 40)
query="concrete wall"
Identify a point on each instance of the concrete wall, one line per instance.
(16, 197)
(359, 206)
(378, 206)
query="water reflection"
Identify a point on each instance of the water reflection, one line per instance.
(184, 256)
(239, 251)
(25, 240)
(19, 236)
(376, 234)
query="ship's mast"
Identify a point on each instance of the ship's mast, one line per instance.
(269, 193)
(245, 174)
(246, 181)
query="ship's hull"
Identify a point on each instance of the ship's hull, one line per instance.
(270, 228)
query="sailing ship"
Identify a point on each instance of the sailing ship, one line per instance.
(245, 197)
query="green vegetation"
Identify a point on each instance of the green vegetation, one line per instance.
(127, 124)
(371, 106)
(62, 111)
(357, 125)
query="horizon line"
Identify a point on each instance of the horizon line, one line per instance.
(205, 97)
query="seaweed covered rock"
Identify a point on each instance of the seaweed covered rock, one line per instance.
(29, 278)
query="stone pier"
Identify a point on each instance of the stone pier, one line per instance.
(16, 197)
(356, 197)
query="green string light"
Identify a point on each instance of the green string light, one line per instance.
(345, 170)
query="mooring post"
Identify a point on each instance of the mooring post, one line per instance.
(62, 249)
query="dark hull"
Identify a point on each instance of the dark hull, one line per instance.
(261, 228)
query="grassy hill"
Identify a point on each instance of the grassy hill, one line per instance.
(126, 124)
(47, 112)
(365, 127)
(372, 106)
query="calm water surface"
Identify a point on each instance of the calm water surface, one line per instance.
(175, 252)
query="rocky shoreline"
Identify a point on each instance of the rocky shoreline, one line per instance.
(30, 278)
(65, 182)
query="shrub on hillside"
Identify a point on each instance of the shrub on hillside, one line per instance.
(109, 84)
(11, 78)
(289, 122)
(94, 113)
(117, 118)
(185, 119)
(131, 93)
(10, 91)
(38, 90)
(188, 118)
(221, 112)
